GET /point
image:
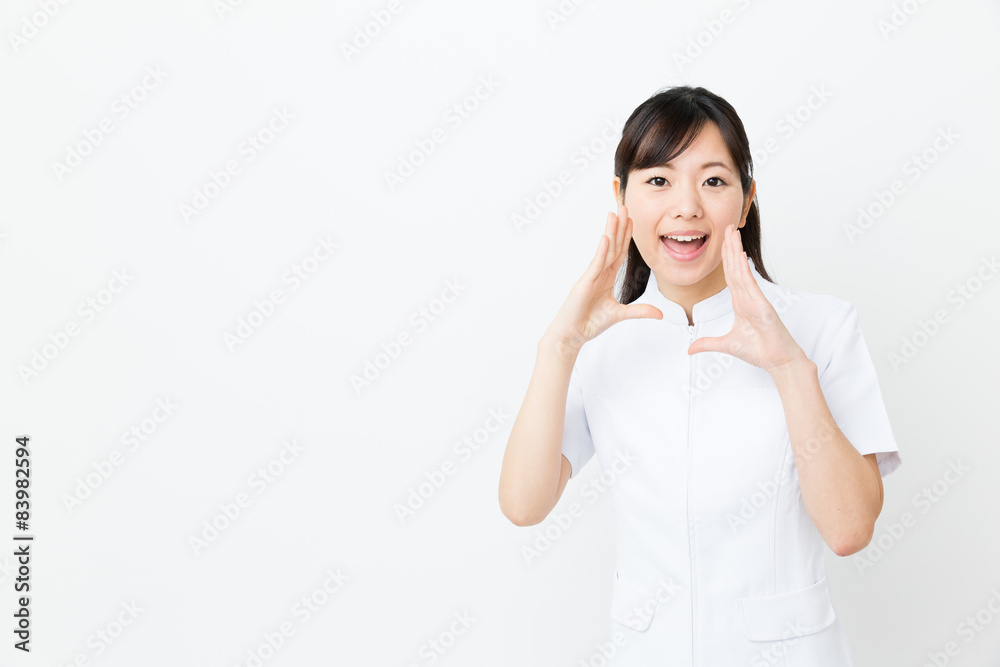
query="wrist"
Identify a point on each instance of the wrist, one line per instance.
(558, 344)
(797, 366)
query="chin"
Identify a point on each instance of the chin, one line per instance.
(682, 277)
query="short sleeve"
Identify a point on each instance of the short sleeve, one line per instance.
(851, 389)
(577, 444)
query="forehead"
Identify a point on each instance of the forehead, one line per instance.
(707, 149)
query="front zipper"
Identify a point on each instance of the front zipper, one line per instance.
(687, 508)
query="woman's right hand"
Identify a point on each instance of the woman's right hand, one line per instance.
(591, 307)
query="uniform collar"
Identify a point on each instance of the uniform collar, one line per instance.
(709, 308)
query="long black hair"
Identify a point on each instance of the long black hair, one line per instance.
(662, 128)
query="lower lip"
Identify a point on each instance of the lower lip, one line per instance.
(685, 257)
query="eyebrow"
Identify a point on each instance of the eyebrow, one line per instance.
(704, 166)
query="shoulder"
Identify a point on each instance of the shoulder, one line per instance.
(809, 309)
(816, 321)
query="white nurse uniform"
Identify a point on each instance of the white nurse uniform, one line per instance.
(718, 561)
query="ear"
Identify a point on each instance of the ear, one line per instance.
(748, 199)
(616, 184)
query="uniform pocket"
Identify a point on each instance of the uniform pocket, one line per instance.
(794, 614)
(631, 605)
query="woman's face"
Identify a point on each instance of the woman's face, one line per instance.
(696, 194)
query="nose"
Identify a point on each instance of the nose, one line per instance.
(686, 202)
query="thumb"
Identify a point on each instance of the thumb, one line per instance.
(709, 344)
(640, 310)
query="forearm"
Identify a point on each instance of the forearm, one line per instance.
(841, 491)
(530, 471)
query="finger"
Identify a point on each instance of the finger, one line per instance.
(597, 263)
(738, 253)
(736, 249)
(741, 294)
(625, 241)
(616, 265)
(746, 265)
(611, 232)
(738, 285)
(750, 289)
(732, 279)
(628, 231)
(740, 268)
(619, 233)
(622, 224)
(709, 344)
(641, 310)
(628, 220)
(726, 269)
(609, 227)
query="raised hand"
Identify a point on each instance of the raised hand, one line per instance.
(591, 307)
(758, 335)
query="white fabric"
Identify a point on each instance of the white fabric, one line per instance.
(718, 561)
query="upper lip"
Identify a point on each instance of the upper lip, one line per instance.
(686, 232)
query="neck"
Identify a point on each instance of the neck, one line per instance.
(688, 295)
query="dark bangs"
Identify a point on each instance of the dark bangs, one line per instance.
(656, 139)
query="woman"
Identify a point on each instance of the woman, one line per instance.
(741, 422)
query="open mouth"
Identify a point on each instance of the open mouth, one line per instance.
(684, 247)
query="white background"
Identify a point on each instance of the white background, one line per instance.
(559, 83)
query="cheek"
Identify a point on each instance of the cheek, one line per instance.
(643, 230)
(725, 213)
(643, 233)
(730, 209)
(645, 214)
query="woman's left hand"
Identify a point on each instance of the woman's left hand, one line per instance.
(758, 336)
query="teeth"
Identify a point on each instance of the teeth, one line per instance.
(685, 238)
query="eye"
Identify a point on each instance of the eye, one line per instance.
(716, 178)
(657, 178)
